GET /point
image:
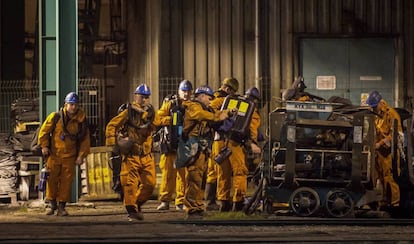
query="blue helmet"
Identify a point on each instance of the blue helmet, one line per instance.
(185, 85)
(253, 92)
(143, 90)
(72, 97)
(373, 99)
(204, 90)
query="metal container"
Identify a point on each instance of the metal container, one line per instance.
(44, 174)
(96, 175)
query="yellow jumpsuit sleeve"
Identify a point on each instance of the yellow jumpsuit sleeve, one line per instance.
(157, 120)
(45, 130)
(254, 126)
(113, 127)
(196, 112)
(164, 113)
(216, 103)
(384, 125)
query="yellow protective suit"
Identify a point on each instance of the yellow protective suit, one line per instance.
(215, 104)
(197, 114)
(384, 127)
(235, 167)
(63, 153)
(137, 175)
(254, 133)
(172, 179)
(254, 126)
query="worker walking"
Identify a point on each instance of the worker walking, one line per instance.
(131, 131)
(172, 179)
(65, 143)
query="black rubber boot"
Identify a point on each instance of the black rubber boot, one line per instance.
(61, 209)
(53, 207)
(225, 206)
(238, 206)
(139, 214)
(133, 213)
(210, 196)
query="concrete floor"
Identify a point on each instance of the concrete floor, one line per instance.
(106, 221)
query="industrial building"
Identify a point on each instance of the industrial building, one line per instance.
(105, 48)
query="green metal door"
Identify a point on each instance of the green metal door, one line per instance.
(348, 68)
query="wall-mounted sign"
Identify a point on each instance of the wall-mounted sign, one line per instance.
(364, 97)
(326, 82)
(370, 77)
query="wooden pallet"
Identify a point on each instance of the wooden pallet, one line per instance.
(8, 198)
(29, 175)
(32, 163)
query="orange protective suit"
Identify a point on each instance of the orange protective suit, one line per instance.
(233, 172)
(384, 126)
(63, 153)
(172, 179)
(197, 114)
(138, 177)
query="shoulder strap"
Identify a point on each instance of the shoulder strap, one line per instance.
(131, 115)
(221, 93)
(82, 126)
(56, 118)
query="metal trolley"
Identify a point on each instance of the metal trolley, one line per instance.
(321, 161)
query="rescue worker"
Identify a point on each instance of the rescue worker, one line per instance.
(131, 130)
(229, 86)
(384, 122)
(172, 179)
(252, 142)
(232, 172)
(196, 119)
(64, 148)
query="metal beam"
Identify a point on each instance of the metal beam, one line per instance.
(58, 60)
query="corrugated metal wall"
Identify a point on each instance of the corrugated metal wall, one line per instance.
(208, 40)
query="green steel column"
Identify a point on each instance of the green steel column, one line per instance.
(68, 47)
(48, 63)
(58, 69)
(68, 63)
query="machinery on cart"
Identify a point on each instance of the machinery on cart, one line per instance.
(321, 161)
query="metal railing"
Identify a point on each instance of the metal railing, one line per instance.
(92, 100)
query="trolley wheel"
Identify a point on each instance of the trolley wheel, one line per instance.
(339, 204)
(304, 201)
